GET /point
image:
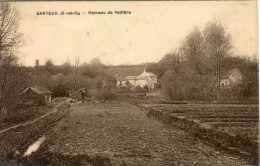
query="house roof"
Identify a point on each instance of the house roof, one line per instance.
(38, 90)
(120, 73)
(148, 74)
(136, 77)
(230, 72)
(142, 76)
(120, 78)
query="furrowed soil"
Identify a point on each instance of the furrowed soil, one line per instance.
(15, 139)
(22, 115)
(117, 133)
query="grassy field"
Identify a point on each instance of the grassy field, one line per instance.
(117, 133)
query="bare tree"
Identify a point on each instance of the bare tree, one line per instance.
(10, 40)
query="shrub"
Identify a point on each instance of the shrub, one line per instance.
(157, 85)
(124, 89)
(140, 89)
(145, 88)
(61, 90)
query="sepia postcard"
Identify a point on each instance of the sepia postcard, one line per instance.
(129, 83)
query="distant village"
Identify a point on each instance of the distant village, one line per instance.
(147, 81)
(198, 70)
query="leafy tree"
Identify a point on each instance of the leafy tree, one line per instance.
(95, 62)
(49, 67)
(193, 50)
(155, 68)
(196, 64)
(66, 68)
(197, 60)
(168, 62)
(172, 85)
(93, 69)
(109, 82)
(217, 46)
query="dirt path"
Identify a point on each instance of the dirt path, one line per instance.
(15, 140)
(124, 134)
(54, 110)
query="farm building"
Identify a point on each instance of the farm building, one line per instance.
(77, 95)
(88, 94)
(145, 79)
(231, 77)
(36, 94)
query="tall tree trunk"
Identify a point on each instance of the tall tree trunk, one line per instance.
(4, 82)
(218, 79)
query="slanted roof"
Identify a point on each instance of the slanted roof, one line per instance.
(136, 77)
(230, 72)
(147, 74)
(38, 90)
(120, 78)
(131, 78)
(121, 74)
(124, 71)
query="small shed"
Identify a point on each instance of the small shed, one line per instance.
(36, 94)
(90, 94)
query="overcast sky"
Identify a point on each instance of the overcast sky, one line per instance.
(146, 35)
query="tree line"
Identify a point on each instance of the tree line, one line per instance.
(194, 70)
(60, 79)
(66, 78)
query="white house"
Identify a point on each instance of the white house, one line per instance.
(145, 79)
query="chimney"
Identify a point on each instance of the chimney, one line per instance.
(37, 66)
(37, 63)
